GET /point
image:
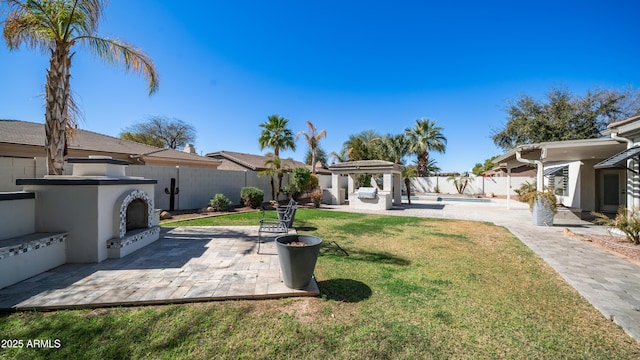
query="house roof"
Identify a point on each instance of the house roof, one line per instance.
(257, 162)
(629, 127)
(569, 150)
(24, 133)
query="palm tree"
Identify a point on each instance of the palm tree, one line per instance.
(409, 172)
(321, 157)
(276, 135)
(395, 148)
(432, 167)
(362, 146)
(56, 26)
(313, 138)
(274, 168)
(425, 137)
(339, 157)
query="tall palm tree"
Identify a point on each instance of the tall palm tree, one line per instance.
(313, 138)
(425, 137)
(56, 26)
(276, 135)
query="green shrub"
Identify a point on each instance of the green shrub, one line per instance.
(313, 183)
(300, 179)
(251, 196)
(625, 221)
(219, 202)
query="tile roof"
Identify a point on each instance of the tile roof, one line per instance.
(29, 133)
(251, 161)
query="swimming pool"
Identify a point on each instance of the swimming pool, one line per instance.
(464, 199)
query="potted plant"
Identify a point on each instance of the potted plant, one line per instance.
(316, 198)
(297, 255)
(543, 204)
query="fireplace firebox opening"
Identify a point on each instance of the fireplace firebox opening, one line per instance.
(137, 217)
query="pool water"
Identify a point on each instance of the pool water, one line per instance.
(478, 200)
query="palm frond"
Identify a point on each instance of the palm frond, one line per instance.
(115, 51)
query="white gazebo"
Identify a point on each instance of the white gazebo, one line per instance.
(370, 197)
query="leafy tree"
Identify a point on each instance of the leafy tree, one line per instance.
(362, 146)
(479, 168)
(313, 137)
(425, 137)
(56, 26)
(300, 178)
(564, 116)
(162, 132)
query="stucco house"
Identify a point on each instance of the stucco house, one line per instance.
(22, 153)
(569, 167)
(620, 171)
(23, 139)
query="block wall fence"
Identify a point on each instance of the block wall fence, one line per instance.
(197, 185)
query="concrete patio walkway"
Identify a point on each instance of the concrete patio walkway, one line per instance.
(187, 264)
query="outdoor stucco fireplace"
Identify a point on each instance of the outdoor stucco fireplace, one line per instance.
(107, 214)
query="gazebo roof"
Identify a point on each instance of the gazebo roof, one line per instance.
(366, 166)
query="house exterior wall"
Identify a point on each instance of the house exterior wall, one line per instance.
(227, 164)
(588, 189)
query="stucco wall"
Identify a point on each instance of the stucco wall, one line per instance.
(19, 216)
(478, 186)
(196, 186)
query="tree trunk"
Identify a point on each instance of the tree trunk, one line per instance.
(422, 163)
(407, 183)
(279, 186)
(273, 190)
(57, 109)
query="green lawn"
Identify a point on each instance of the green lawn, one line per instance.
(410, 288)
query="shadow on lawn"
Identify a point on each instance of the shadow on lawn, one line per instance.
(332, 248)
(346, 290)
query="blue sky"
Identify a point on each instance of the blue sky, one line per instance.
(347, 66)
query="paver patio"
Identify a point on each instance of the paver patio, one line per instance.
(187, 264)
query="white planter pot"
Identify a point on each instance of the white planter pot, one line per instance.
(542, 212)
